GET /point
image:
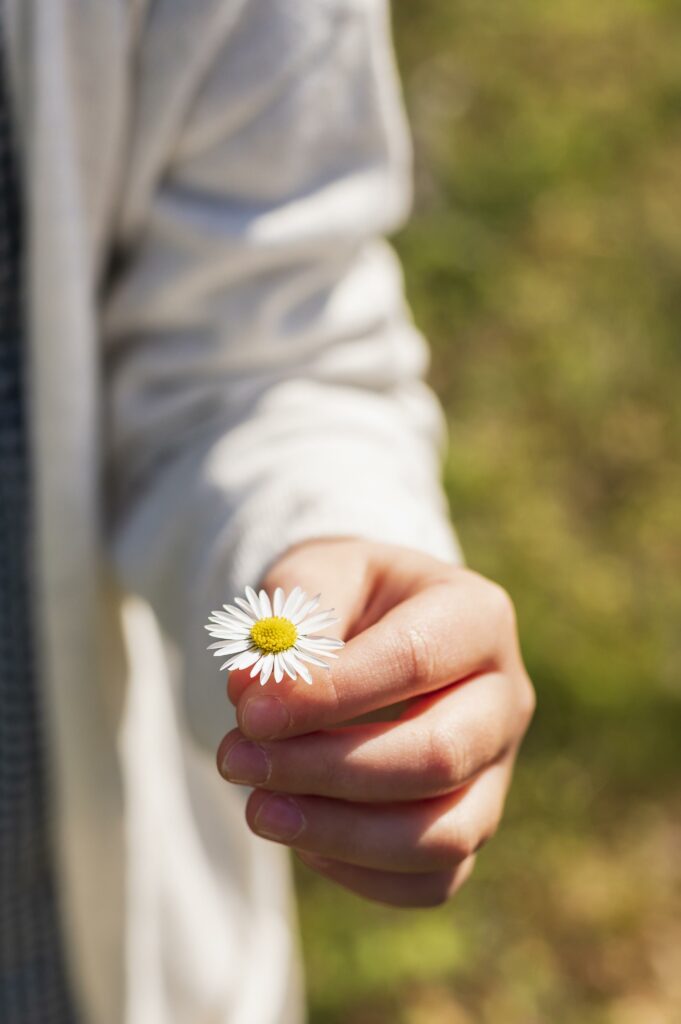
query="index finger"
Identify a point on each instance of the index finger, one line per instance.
(441, 635)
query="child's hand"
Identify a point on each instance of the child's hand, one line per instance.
(394, 810)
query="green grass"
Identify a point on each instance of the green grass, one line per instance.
(543, 263)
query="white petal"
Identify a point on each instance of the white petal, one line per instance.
(244, 605)
(318, 654)
(229, 634)
(234, 648)
(265, 604)
(332, 642)
(278, 669)
(305, 656)
(220, 613)
(288, 662)
(292, 602)
(320, 643)
(253, 601)
(222, 618)
(258, 665)
(300, 603)
(244, 660)
(320, 621)
(306, 599)
(303, 671)
(226, 636)
(266, 669)
(227, 621)
(222, 643)
(247, 620)
(308, 607)
(278, 600)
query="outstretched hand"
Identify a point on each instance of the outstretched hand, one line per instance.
(393, 809)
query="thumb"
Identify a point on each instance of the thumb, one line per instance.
(337, 568)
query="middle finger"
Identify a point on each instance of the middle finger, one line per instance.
(455, 734)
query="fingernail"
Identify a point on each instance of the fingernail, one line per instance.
(246, 762)
(279, 817)
(264, 717)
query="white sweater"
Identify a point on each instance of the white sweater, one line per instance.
(222, 363)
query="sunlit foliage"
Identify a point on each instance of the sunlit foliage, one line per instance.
(543, 262)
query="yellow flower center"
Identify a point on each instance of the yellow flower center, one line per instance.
(274, 634)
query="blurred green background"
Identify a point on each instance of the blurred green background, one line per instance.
(543, 262)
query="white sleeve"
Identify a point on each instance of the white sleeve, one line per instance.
(264, 381)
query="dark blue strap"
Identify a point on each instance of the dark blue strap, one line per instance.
(33, 983)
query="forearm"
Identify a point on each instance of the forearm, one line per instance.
(264, 382)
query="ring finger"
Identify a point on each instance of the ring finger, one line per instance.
(424, 836)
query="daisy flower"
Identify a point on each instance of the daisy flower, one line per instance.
(276, 637)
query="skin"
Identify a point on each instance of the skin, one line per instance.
(389, 773)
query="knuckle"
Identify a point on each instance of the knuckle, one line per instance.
(419, 658)
(464, 843)
(438, 890)
(484, 837)
(528, 701)
(449, 851)
(467, 839)
(331, 776)
(460, 875)
(439, 887)
(446, 760)
(334, 688)
(502, 606)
